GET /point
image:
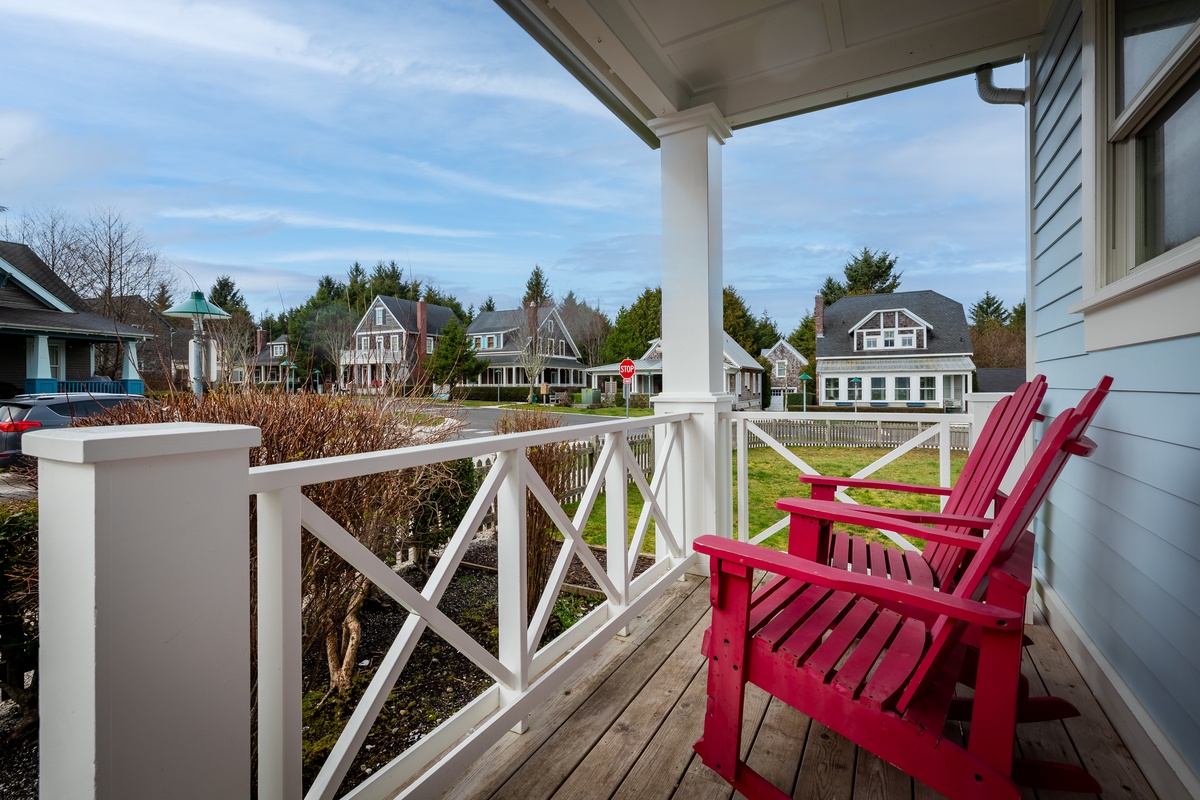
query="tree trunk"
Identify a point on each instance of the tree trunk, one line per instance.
(341, 659)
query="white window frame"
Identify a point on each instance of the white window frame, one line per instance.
(364, 343)
(854, 393)
(278, 350)
(429, 343)
(781, 368)
(379, 315)
(881, 389)
(902, 388)
(928, 394)
(395, 342)
(833, 389)
(1124, 303)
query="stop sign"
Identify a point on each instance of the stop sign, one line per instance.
(627, 369)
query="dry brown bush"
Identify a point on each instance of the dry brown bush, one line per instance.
(375, 509)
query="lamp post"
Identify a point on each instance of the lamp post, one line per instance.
(499, 377)
(855, 383)
(804, 379)
(197, 308)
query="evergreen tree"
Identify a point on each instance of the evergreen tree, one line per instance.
(635, 327)
(487, 305)
(1016, 318)
(869, 272)
(537, 289)
(225, 296)
(454, 360)
(737, 320)
(388, 280)
(766, 333)
(804, 339)
(988, 311)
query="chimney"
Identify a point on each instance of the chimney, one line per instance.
(422, 331)
(260, 340)
(819, 317)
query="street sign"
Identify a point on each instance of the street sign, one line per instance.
(627, 369)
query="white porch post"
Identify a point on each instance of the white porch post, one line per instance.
(693, 372)
(144, 659)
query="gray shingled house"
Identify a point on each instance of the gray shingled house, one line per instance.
(49, 334)
(906, 349)
(392, 341)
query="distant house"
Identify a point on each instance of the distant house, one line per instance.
(164, 359)
(908, 349)
(49, 334)
(743, 374)
(392, 341)
(501, 337)
(787, 365)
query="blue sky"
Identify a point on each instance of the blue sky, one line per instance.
(278, 142)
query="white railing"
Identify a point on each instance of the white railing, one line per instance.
(749, 430)
(523, 674)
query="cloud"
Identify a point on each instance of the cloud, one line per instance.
(304, 220)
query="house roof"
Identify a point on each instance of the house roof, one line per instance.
(405, 312)
(651, 360)
(505, 320)
(787, 347)
(997, 379)
(948, 332)
(79, 321)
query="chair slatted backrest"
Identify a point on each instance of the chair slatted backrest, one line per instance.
(985, 469)
(1064, 438)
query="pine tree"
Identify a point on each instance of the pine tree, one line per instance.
(804, 339)
(635, 327)
(766, 333)
(453, 360)
(869, 272)
(487, 305)
(737, 320)
(537, 289)
(225, 295)
(988, 311)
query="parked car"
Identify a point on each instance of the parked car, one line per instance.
(31, 412)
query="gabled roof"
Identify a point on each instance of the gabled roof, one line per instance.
(737, 354)
(786, 345)
(947, 334)
(651, 360)
(511, 319)
(64, 312)
(405, 313)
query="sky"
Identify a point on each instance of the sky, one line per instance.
(277, 142)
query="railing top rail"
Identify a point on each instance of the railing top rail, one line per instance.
(273, 477)
(850, 416)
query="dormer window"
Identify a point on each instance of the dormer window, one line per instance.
(278, 350)
(890, 330)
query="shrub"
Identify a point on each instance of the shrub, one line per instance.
(18, 608)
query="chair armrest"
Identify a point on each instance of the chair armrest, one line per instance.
(831, 511)
(869, 483)
(881, 589)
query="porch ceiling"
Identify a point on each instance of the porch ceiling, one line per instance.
(759, 60)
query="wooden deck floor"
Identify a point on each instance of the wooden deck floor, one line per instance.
(624, 727)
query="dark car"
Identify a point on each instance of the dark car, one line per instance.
(31, 412)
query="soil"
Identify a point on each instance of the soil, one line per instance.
(437, 681)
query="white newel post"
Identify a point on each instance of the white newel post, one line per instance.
(693, 375)
(144, 660)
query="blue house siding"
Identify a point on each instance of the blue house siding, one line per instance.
(1119, 539)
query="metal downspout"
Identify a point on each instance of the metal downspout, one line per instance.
(990, 93)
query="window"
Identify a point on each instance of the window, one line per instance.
(429, 343)
(364, 343)
(889, 338)
(833, 391)
(278, 350)
(491, 342)
(854, 389)
(908, 340)
(901, 388)
(781, 368)
(379, 315)
(1142, 166)
(878, 389)
(379, 343)
(478, 342)
(395, 343)
(872, 342)
(928, 388)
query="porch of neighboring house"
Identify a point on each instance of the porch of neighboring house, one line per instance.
(623, 726)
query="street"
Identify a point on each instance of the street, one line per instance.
(481, 420)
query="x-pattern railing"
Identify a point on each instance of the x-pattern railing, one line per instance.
(523, 673)
(748, 424)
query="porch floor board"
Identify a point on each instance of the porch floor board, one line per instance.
(623, 728)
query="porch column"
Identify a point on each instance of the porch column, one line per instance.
(37, 367)
(130, 379)
(144, 659)
(700, 493)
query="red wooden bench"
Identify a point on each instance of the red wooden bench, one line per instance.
(877, 659)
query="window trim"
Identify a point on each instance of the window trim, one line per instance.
(1156, 299)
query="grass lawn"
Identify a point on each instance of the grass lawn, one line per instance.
(770, 477)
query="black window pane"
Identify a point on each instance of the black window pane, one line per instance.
(1147, 32)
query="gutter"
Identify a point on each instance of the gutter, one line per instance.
(989, 92)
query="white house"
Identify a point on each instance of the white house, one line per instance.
(907, 349)
(502, 336)
(392, 340)
(743, 374)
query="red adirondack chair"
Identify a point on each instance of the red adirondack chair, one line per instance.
(877, 659)
(977, 487)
